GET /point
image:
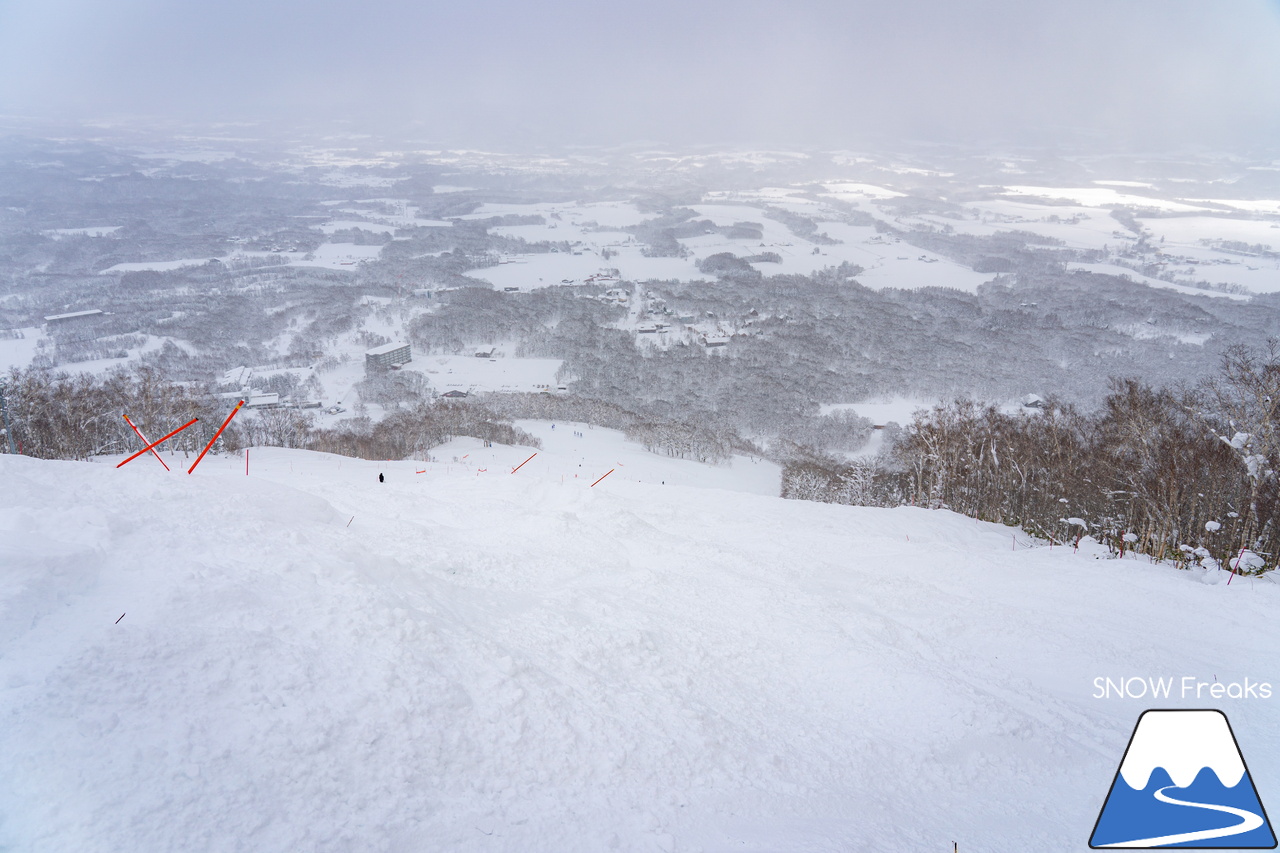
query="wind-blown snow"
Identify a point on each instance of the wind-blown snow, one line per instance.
(470, 659)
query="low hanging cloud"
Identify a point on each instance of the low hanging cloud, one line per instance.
(1147, 73)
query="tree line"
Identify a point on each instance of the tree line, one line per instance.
(58, 415)
(1182, 474)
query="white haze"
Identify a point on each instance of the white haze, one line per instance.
(1146, 73)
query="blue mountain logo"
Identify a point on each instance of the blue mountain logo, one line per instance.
(1183, 783)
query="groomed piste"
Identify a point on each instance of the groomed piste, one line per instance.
(462, 658)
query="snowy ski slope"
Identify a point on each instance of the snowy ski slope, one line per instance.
(467, 659)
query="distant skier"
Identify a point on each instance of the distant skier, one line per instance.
(381, 479)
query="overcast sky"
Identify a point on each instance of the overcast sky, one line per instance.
(1159, 73)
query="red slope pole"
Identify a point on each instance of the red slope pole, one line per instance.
(144, 441)
(606, 474)
(522, 464)
(215, 436)
(154, 443)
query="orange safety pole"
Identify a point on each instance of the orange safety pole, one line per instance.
(606, 474)
(144, 441)
(154, 443)
(522, 464)
(215, 436)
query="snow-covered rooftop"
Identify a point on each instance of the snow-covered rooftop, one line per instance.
(386, 348)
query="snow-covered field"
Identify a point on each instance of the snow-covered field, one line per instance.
(899, 410)
(592, 230)
(468, 373)
(151, 343)
(344, 224)
(885, 265)
(336, 256)
(1190, 230)
(529, 272)
(18, 352)
(328, 255)
(462, 658)
(159, 266)
(1077, 227)
(406, 215)
(1139, 278)
(600, 214)
(1102, 196)
(860, 191)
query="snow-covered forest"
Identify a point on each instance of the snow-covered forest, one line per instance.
(628, 499)
(752, 307)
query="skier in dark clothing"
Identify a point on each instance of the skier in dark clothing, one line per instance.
(381, 479)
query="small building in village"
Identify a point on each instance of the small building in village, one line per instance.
(387, 356)
(263, 400)
(55, 320)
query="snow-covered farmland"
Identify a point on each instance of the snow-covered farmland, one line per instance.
(603, 214)
(1139, 278)
(1102, 197)
(856, 192)
(336, 256)
(18, 351)
(329, 255)
(1076, 227)
(345, 224)
(886, 265)
(405, 215)
(528, 272)
(1190, 230)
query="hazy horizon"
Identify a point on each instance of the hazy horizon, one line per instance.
(820, 74)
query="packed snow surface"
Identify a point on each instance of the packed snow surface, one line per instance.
(467, 659)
